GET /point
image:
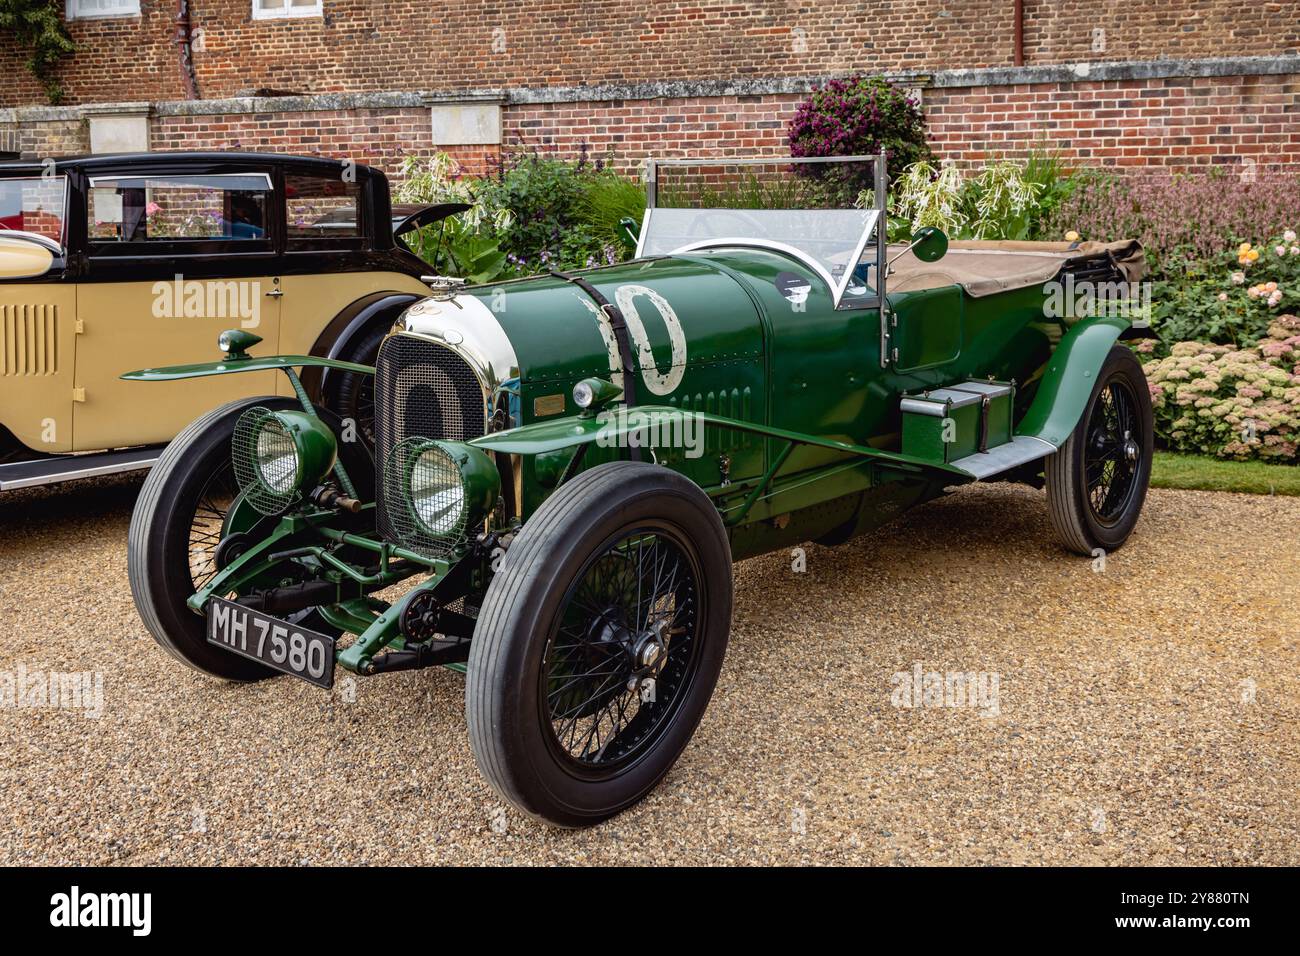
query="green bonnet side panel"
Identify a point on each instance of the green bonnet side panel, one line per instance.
(698, 342)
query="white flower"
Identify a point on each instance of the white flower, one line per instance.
(1289, 235)
(1223, 297)
(1295, 250)
(1238, 278)
(1280, 250)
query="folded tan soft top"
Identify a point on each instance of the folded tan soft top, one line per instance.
(983, 268)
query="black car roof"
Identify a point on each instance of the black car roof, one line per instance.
(90, 163)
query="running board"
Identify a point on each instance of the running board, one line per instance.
(48, 471)
(1019, 451)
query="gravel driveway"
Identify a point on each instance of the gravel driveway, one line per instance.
(1141, 713)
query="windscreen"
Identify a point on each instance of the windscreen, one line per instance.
(830, 237)
(34, 204)
(822, 213)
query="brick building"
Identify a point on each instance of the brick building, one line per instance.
(1125, 83)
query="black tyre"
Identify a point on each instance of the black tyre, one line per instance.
(351, 395)
(599, 643)
(178, 522)
(1097, 481)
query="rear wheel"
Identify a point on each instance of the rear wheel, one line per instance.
(1097, 481)
(599, 643)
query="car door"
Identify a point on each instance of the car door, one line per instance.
(37, 321)
(175, 255)
(330, 260)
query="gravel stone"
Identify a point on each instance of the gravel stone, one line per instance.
(1146, 711)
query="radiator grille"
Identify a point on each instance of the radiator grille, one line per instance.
(424, 390)
(29, 340)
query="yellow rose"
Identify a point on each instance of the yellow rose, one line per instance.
(1071, 236)
(1252, 255)
(1243, 248)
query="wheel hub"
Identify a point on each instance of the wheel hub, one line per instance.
(648, 650)
(1130, 449)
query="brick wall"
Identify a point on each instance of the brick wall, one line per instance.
(631, 81)
(1179, 122)
(362, 45)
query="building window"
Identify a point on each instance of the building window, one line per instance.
(274, 9)
(88, 9)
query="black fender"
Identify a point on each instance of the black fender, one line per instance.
(346, 327)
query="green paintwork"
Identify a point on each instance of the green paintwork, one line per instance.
(253, 364)
(556, 434)
(802, 438)
(1067, 383)
(315, 443)
(929, 244)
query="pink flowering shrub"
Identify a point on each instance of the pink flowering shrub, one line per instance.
(1223, 256)
(1192, 216)
(1232, 402)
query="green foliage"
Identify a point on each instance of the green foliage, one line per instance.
(1231, 298)
(538, 213)
(37, 27)
(1005, 200)
(608, 198)
(467, 245)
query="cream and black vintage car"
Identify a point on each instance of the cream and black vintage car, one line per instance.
(113, 262)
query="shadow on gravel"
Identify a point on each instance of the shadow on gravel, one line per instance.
(51, 508)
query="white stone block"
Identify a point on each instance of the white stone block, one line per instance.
(467, 124)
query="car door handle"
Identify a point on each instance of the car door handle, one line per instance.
(274, 294)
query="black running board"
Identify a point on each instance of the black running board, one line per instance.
(48, 471)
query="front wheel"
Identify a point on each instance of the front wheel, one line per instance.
(184, 511)
(1097, 481)
(599, 643)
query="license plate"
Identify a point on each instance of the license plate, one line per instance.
(277, 644)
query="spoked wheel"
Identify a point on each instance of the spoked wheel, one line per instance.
(207, 525)
(1111, 455)
(183, 530)
(1097, 482)
(599, 643)
(618, 658)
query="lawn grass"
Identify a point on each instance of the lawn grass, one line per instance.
(1200, 473)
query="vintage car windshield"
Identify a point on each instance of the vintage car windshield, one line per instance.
(831, 241)
(34, 204)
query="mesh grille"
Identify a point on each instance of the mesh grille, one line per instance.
(427, 483)
(422, 390)
(265, 461)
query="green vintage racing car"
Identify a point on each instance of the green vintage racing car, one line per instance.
(565, 468)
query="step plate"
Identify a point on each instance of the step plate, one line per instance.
(1018, 451)
(48, 471)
